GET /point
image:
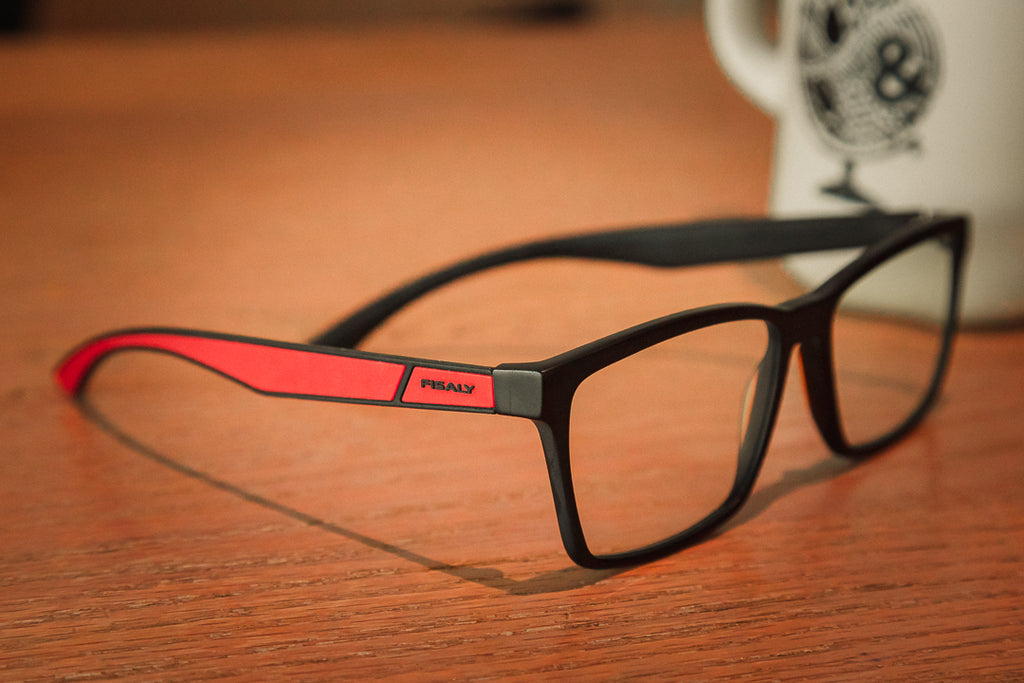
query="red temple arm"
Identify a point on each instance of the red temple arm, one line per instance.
(297, 370)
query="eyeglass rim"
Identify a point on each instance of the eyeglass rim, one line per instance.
(564, 373)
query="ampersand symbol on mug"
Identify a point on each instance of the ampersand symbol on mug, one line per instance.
(894, 83)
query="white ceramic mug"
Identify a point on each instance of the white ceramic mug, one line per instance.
(895, 104)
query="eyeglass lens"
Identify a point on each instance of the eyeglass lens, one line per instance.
(888, 336)
(654, 438)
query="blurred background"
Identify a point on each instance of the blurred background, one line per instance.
(23, 16)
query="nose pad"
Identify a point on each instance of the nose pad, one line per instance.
(748, 404)
(748, 448)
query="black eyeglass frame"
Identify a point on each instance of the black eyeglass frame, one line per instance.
(805, 321)
(543, 390)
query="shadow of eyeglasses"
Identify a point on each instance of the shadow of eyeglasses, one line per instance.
(560, 580)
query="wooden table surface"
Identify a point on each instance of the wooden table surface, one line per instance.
(266, 183)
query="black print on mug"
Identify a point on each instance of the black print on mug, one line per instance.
(868, 70)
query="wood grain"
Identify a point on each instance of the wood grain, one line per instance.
(182, 528)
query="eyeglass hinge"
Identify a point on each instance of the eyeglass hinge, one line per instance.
(517, 392)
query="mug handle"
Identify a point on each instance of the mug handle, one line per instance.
(745, 52)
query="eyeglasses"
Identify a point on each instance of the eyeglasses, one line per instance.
(653, 436)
